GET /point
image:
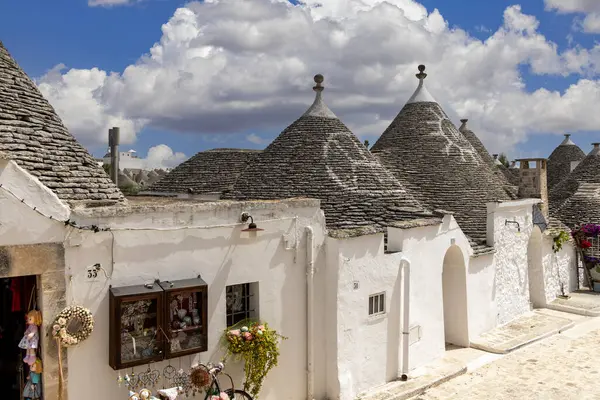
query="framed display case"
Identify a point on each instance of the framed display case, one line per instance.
(185, 322)
(136, 320)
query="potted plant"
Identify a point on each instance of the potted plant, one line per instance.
(257, 345)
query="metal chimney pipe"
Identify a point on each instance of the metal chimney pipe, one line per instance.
(113, 141)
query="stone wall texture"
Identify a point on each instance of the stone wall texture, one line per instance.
(47, 262)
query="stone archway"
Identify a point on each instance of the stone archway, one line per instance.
(454, 288)
(47, 263)
(535, 269)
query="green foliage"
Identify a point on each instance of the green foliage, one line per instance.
(559, 240)
(504, 160)
(367, 144)
(258, 347)
(130, 190)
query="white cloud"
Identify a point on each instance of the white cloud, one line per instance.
(591, 9)
(162, 156)
(225, 66)
(254, 138)
(75, 95)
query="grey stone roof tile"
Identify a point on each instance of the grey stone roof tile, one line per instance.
(437, 163)
(588, 171)
(559, 162)
(581, 207)
(33, 135)
(317, 156)
(208, 171)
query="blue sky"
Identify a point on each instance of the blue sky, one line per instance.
(111, 38)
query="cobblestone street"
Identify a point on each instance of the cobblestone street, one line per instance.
(561, 367)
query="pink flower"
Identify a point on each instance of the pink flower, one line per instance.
(235, 332)
(247, 336)
(261, 328)
(224, 396)
(215, 398)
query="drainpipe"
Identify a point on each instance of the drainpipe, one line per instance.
(404, 317)
(310, 290)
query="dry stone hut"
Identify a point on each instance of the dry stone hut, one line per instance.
(423, 148)
(318, 156)
(211, 171)
(573, 199)
(34, 137)
(563, 160)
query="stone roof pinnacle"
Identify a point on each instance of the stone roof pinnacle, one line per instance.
(421, 95)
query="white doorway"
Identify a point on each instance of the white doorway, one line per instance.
(454, 288)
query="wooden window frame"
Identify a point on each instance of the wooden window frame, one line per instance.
(377, 304)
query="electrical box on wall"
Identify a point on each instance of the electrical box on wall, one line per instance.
(414, 334)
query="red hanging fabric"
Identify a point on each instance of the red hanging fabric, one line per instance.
(16, 295)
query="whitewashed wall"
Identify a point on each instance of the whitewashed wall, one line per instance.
(483, 309)
(19, 223)
(222, 256)
(511, 263)
(560, 269)
(368, 348)
(426, 247)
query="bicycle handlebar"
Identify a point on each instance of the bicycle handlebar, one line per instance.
(216, 369)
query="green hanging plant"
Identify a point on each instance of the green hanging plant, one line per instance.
(559, 240)
(257, 346)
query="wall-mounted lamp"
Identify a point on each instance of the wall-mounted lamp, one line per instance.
(251, 226)
(507, 222)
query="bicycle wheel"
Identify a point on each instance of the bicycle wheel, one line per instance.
(238, 394)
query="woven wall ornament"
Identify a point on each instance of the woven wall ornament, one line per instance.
(63, 323)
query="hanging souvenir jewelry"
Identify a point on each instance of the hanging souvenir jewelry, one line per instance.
(134, 379)
(168, 374)
(119, 379)
(127, 380)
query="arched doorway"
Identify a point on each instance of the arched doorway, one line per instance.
(535, 269)
(454, 287)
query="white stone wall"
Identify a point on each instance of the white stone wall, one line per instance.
(275, 258)
(511, 264)
(481, 281)
(367, 349)
(19, 223)
(560, 269)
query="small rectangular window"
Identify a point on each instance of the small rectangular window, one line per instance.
(377, 304)
(242, 302)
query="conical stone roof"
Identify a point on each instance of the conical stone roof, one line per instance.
(582, 207)
(207, 172)
(317, 156)
(427, 153)
(32, 134)
(588, 171)
(506, 178)
(559, 162)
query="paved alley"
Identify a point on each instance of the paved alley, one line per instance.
(564, 366)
